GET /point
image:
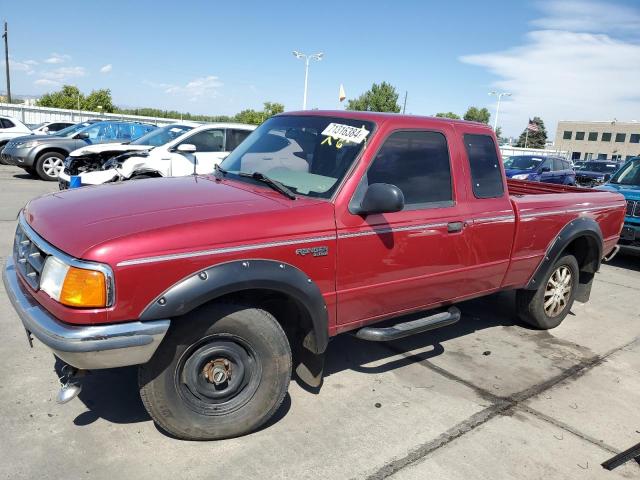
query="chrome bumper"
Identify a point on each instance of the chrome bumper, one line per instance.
(84, 347)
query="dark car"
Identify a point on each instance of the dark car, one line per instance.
(43, 155)
(591, 174)
(540, 169)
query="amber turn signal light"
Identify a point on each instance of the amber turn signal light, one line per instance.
(84, 288)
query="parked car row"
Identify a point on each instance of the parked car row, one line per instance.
(101, 151)
(172, 151)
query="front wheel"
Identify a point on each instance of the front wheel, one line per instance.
(221, 372)
(547, 306)
(49, 165)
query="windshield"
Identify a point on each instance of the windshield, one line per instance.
(600, 167)
(162, 135)
(629, 174)
(67, 132)
(309, 155)
(524, 162)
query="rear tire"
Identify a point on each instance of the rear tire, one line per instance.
(221, 371)
(546, 307)
(49, 165)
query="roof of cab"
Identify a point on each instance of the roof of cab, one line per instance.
(379, 117)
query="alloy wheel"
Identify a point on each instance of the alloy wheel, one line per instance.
(558, 291)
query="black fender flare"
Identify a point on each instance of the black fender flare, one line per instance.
(233, 277)
(580, 227)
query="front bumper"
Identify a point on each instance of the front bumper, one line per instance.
(20, 157)
(85, 347)
(630, 238)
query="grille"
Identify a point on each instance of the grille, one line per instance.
(28, 257)
(633, 208)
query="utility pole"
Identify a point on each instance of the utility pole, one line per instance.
(404, 107)
(5, 35)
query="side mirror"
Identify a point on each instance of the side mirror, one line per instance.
(607, 177)
(45, 129)
(186, 148)
(82, 136)
(545, 169)
(381, 198)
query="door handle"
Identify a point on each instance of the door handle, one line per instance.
(455, 227)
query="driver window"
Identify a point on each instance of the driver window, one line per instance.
(418, 164)
(207, 141)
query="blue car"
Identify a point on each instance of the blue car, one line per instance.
(540, 169)
(627, 182)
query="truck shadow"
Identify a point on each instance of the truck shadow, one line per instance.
(113, 394)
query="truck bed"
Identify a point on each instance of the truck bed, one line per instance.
(519, 188)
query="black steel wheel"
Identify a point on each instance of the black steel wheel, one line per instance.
(221, 371)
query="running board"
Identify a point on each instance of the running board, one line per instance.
(409, 328)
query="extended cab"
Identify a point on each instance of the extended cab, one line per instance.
(318, 223)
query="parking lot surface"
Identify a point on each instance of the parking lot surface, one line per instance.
(487, 398)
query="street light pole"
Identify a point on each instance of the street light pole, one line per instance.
(307, 58)
(5, 35)
(499, 95)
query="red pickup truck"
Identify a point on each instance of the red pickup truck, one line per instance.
(318, 223)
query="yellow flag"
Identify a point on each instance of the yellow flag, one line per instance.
(341, 95)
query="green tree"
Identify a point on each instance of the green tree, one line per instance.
(69, 97)
(475, 114)
(99, 98)
(380, 98)
(257, 117)
(533, 139)
(452, 115)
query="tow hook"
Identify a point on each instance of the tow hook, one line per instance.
(70, 386)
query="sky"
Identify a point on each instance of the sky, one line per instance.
(560, 60)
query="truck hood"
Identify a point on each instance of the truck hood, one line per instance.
(112, 222)
(630, 192)
(114, 148)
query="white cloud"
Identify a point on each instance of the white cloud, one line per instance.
(59, 75)
(57, 58)
(587, 16)
(567, 75)
(26, 66)
(202, 87)
(45, 82)
(106, 69)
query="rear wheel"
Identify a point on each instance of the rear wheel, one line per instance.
(49, 165)
(547, 306)
(222, 372)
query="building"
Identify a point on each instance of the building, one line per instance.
(611, 140)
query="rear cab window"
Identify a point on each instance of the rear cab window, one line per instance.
(486, 174)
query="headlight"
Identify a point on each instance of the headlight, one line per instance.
(72, 286)
(522, 176)
(29, 144)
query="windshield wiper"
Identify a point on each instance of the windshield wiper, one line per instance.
(261, 177)
(219, 171)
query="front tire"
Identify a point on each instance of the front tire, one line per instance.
(49, 165)
(546, 307)
(221, 372)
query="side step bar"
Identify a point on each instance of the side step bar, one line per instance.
(405, 329)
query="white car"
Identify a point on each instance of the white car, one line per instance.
(11, 128)
(174, 150)
(49, 128)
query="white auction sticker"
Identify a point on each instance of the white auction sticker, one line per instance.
(346, 132)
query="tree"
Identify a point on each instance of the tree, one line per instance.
(256, 118)
(99, 98)
(68, 97)
(475, 114)
(380, 98)
(452, 115)
(533, 139)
